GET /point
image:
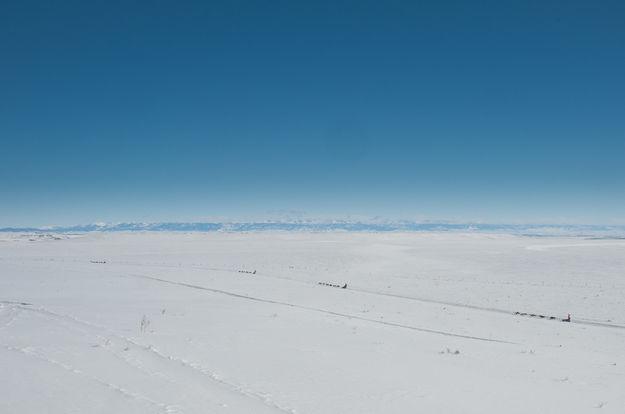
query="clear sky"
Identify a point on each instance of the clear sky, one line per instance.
(502, 111)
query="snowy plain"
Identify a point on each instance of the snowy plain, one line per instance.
(173, 322)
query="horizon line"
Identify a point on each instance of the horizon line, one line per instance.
(354, 225)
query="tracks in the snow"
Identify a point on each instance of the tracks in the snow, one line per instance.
(170, 364)
(319, 310)
(33, 353)
(575, 320)
(580, 321)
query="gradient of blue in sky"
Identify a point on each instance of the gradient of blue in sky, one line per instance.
(167, 111)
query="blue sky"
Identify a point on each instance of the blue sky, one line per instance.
(184, 111)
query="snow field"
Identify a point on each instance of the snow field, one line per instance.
(427, 323)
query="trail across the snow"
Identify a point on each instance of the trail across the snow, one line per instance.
(169, 366)
(329, 312)
(580, 320)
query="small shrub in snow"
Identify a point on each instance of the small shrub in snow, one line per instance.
(145, 322)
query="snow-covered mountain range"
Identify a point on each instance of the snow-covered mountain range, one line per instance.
(340, 225)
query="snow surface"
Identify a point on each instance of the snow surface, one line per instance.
(169, 323)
